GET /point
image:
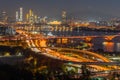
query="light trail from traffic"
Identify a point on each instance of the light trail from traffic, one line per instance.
(39, 45)
(68, 58)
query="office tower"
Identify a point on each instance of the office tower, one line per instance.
(17, 16)
(4, 16)
(21, 14)
(27, 17)
(64, 16)
(31, 12)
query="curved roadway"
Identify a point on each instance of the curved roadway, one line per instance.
(40, 46)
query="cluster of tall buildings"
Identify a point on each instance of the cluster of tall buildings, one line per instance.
(19, 15)
(31, 17)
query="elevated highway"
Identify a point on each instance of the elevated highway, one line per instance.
(38, 44)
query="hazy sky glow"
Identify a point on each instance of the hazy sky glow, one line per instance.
(53, 8)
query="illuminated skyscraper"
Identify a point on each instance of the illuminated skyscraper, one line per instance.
(21, 14)
(30, 12)
(4, 16)
(17, 16)
(64, 16)
(27, 17)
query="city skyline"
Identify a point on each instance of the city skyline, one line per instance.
(53, 8)
(59, 40)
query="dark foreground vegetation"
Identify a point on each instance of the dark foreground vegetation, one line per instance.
(8, 72)
(39, 67)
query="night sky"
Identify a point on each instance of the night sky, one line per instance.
(74, 8)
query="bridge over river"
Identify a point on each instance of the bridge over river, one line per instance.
(38, 44)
